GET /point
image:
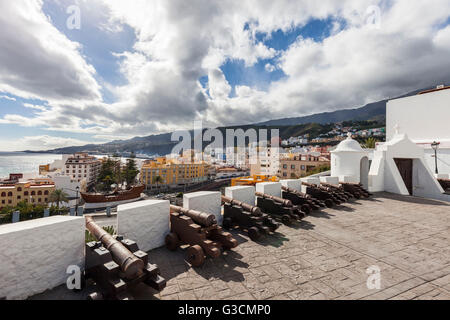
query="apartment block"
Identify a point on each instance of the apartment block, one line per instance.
(82, 166)
(35, 191)
(297, 166)
(172, 172)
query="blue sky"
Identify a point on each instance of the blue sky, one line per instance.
(139, 68)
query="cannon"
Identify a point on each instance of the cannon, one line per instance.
(279, 208)
(337, 195)
(304, 201)
(247, 217)
(117, 265)
(200, 231)
(356, 189)
(313, 190)
(339, 190)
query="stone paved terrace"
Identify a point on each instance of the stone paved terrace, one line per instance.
(324, 257)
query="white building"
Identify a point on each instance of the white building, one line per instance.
(82, 166)
(403, 164)
(424, 118)
(350, 162)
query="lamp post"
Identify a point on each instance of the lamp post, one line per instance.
(76, 199)
(435, 147)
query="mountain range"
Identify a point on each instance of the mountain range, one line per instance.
(315, 124)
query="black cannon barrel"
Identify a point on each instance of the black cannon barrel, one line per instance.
(299, 193)
(309, 185)
(128, 262)
(203, 218)
(247, 207)
(329, 185)
(295, 192)
(284, 202)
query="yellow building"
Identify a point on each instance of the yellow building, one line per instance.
(252, 180)
(36, 191)
(172, 172)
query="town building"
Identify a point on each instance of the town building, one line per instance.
(295, 166)
(172, 172)
(35, 191)
(403, 164)
(267, 161)
(424, 118)
(82, 166)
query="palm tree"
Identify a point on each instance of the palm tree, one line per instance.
(58, 196)
(370, 143)
(157, 180)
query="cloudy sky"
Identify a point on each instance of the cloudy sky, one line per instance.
(135, 68)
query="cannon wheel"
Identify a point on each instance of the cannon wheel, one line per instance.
(286, 219)
(195, 256)
(227, 223)
(172, 241)
(254, 233)
(306, 209)
(329, 203)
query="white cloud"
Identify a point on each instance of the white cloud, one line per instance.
(38, 61)
(34, 106)
(269, 67)
(177, 42)
(39, 143)
(8, 98)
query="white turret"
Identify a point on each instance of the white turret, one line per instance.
(350, 162)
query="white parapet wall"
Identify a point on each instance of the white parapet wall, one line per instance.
(35, 255)
(146, 222)
(294, 184)
(270, 188)
(244, 194)
(310, 180)
(349, 179)
(205, 201)
(330, 180)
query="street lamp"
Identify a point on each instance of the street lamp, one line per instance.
(435, 147)
(76, 199)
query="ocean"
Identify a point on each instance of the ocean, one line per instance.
(19, 162)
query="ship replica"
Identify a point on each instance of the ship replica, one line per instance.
(98, 200)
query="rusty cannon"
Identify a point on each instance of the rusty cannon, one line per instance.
(117, 265)
(279, 208)
(314, 203)
(200, 231)
(337, 195)
(247, 217)
(356, 189)
(339, 190)
(322, 195)
(304, 201)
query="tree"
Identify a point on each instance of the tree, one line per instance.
(158, 180)
(108, 174)
(130, 170)
(370, 143)
(58, 196)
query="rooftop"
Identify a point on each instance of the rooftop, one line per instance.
(324, 257)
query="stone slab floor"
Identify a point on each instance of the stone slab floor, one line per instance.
(324, 257)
